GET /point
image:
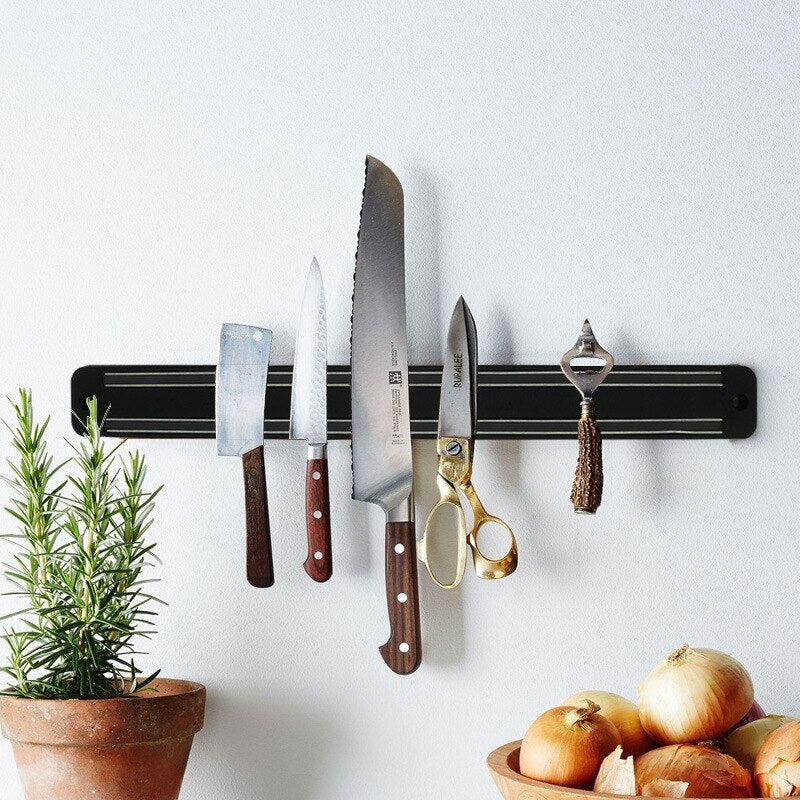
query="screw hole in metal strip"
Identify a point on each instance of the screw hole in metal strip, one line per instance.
(514, 402)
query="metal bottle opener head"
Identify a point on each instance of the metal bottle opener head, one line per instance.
(587, 364)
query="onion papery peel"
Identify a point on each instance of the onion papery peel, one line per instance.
(616, 775)
(702, 768)
(778, 769)
(665, 788)
(782, 779)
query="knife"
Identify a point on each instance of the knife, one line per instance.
(381, 431)
(241, 387)
(309, 420)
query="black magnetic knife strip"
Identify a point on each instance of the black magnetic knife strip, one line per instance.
(514, 402)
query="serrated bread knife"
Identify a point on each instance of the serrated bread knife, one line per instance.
(381, 432)
(309, 420)
(240, 395)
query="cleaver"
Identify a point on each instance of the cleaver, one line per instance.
(240, 393)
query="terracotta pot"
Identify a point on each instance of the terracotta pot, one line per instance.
(127, 748)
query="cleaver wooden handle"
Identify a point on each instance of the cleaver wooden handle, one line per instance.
(403, 652)
(259, 545)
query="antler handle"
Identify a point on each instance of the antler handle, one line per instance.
(587, 488)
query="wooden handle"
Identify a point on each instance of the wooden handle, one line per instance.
(403, 651)
(587, 489)
(259, 545)
(319, 563)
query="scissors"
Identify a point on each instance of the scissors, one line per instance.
(457, 416)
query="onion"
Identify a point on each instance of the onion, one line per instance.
(755, 712)
(625, 716)
(694, 695)
(777, 767)
(706, 771)
(745, 742)
(567, 744)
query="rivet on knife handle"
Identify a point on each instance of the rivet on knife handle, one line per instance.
(319, 563)
(586, 366)
(403, 652)
(260, 572)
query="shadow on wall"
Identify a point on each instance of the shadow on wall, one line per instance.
(272, 759)
(443, 623)
(650, 471)
(443, 626)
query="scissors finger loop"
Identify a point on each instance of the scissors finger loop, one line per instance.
(448, 498)
(485, 567)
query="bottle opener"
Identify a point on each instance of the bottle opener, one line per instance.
(586, 366)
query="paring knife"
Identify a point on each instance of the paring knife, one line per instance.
(381, 431)
(309, 420)
(240, 395)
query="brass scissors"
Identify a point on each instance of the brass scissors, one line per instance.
(457, 418)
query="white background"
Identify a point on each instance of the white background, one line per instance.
(169, 166)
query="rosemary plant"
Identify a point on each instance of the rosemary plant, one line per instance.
(79, 564)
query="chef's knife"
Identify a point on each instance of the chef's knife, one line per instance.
(309, 420)
(382, 472)
(241, 388)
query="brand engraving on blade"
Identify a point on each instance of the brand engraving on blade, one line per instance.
(458, 370)
(396, 382)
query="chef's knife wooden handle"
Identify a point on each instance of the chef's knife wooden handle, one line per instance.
(259, 544)
(319, 563)
(403, 651)
(587, 489)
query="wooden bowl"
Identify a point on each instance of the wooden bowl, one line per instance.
(503, 763)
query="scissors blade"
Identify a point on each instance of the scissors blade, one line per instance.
(459, 396)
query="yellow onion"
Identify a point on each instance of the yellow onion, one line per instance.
(777, 767)
(567, 744)
(694, 695)
(705, 771)
(625, 716)
(745, 742)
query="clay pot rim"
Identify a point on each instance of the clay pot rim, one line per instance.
(146, 716)
(147, 693)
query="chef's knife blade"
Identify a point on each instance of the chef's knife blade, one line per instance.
(309, 420)
(458, 400)
(240, 391)
(381, 430)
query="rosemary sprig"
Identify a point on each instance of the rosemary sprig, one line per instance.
(79, 564)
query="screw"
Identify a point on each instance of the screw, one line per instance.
(453, 448)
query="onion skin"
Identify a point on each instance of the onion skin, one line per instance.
(707, 772)
(744, 743)
(623, 714)
(694, 695)
(566, 746)
(777, 767)
(616, 775)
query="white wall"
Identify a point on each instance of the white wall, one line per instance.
(168, 166)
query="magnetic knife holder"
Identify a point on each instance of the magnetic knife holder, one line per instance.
(514, 402)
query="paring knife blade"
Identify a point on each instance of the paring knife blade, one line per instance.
(381, 429)
(241, 384)
(309, 420)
